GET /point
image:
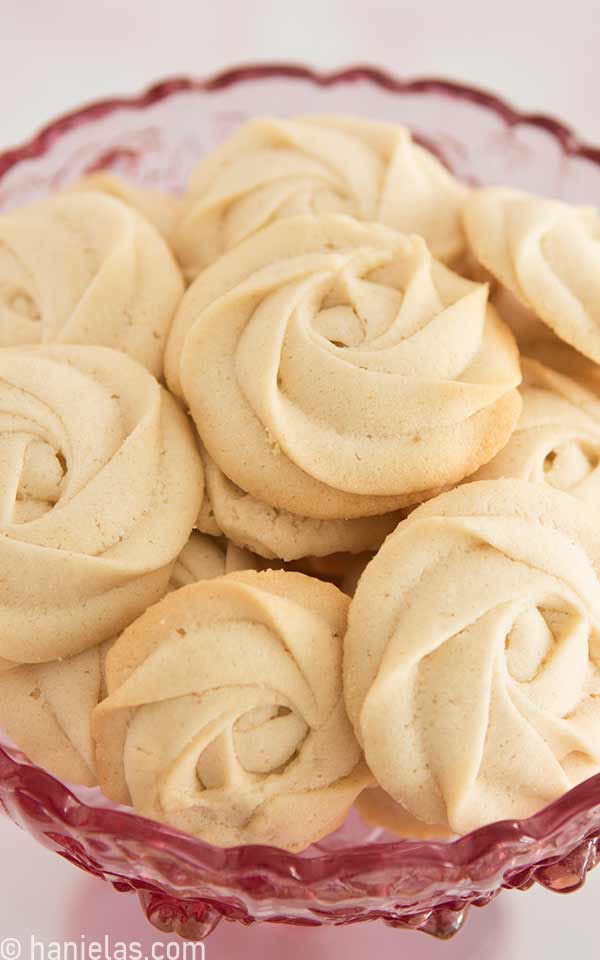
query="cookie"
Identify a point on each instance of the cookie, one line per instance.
(278, 534)
(225, 715)
(383, 376)
(377, 808)
(162, 210)
(84, 268)
(101, 486)
(547, 254)
(471, 663)
(274, 168)
(557, 439)
(204, 558)
(46, 710)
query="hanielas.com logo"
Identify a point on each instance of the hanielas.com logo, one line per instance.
(12, 948)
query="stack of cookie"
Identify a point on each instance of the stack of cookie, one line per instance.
(297, 488)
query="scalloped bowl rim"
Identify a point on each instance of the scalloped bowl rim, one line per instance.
(470, 848)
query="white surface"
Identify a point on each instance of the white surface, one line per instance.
(53, 55)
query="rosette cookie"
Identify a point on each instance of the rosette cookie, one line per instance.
(85, 268)
(162, 210)
(101, 485)
(526, 327)
(204, 558)
(472, 658)
(256, 526)
(272, 169)
(377, 808)
(557, 439)
(46, 709)
(225, 716)
(335, 370)
(207, 557)
(547, 254)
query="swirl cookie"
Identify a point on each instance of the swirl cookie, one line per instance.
(557, 439)
(383, 375)
(527, 329)
(225, 715)
(162, 210)
(204, 558)
(46, 710)
(472, 667)
(272, 169)
(547, 254)
(279, 534)
(84, 268)
(377, 808)
(101, 484)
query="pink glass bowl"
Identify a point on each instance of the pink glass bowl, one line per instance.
(358, 873)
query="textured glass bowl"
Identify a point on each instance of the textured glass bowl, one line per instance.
(358, 873)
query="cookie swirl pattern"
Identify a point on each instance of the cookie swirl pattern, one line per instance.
(472, 658)
(547, 254)
(225, 715)
(84, 268)
(272, 169)
(101, 483)
(383, 376)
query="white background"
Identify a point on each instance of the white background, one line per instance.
(543, 56)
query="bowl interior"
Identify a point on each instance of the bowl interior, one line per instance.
(156, 139)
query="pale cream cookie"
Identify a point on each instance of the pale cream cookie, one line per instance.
(273, 168)
(162, 210)
(225, 716)
(204, 558)
(84, 268)
(278, 534)
(46, 710)
(547, 254)
(382, 377)
(472, 657)
(378, 809)
(100, 487)
(557, 439)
